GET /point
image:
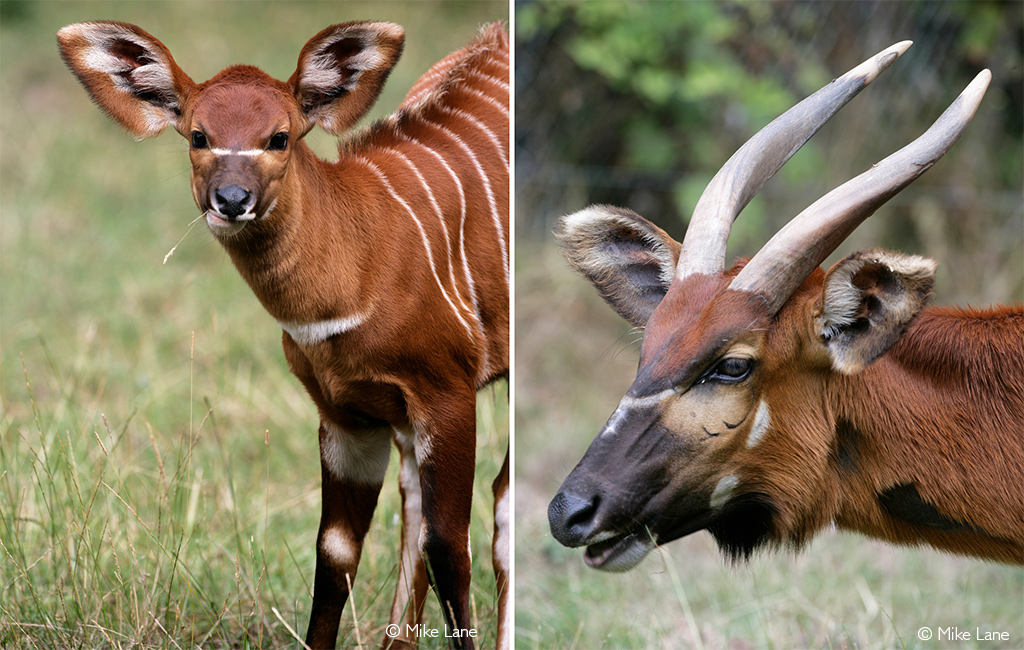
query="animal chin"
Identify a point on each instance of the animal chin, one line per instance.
(620, 553)
(224, 227)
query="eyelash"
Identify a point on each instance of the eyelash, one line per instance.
(735, 374)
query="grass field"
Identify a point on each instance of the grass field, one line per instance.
(574, 359)
(159, 475)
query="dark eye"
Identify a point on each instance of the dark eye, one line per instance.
(197, 139)
(731, 369)
(279, 142)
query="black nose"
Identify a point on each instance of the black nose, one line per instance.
(232, 201)
(572, 518)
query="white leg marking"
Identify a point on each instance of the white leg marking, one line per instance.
(422, 448)
(501, 533)
(359, 457)
(723, 491)
(487, 190)
(423, 234)
(762, 423)
(341, 548)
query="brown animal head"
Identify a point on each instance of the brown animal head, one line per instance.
(242, 125)
(730, 424)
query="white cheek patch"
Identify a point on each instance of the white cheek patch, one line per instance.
(723, 491)
(360, 458)
(762, 424)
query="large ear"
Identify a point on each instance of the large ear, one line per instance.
(342, 70)
(128, 73)
(629, 260)
(868, 300)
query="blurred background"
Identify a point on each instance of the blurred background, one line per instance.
(159, 475)
(638, 104)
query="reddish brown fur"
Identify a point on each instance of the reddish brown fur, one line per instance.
(919, 446)
(405, 236)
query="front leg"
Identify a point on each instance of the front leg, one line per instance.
(446, 454)
(353, 462)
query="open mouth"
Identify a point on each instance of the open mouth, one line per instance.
(620, 553)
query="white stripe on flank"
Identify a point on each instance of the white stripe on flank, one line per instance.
(487, 190)
(490, 100)
(423, 233)
(483, 127)
(488, 78)
(440, 219)
(485, 369)
(236, 152)
(311, 333)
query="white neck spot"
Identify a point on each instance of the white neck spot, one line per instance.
(723, 491)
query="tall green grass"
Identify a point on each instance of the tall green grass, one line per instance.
(159, 474)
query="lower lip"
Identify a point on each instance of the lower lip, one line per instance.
(213, 219)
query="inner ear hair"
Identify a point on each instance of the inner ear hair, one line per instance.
(868, 299)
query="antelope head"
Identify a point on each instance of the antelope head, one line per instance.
(733, 357)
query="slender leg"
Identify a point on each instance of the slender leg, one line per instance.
(352, 468)
(446, 451)
(500, 552)
(410, 596)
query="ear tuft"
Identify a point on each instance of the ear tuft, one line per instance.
(127, 72)
(868, 300)
(342, 70)
(628, 259)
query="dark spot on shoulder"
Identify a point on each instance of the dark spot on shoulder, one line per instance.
(847, 452)
(903, 501)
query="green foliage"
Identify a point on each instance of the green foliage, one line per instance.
(637, 103)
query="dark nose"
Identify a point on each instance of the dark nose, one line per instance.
(232, 201)
(572, 518)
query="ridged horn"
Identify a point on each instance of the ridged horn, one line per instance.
(804, 243)
(764, 154)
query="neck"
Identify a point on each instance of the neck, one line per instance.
(302, 258)
(928, 437)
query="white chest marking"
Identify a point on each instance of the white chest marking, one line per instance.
(311, 333)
